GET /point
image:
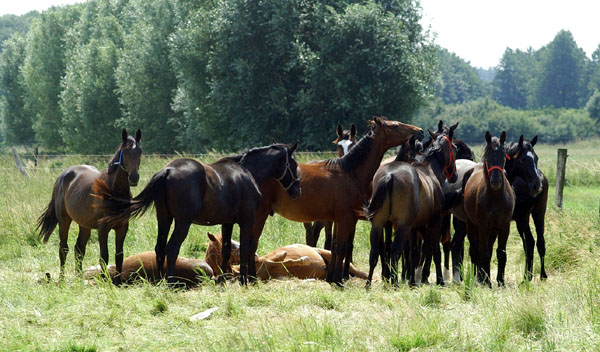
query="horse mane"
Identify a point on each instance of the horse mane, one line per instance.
(355, 156)
(241, 158)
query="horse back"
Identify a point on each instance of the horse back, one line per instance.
(404, 205)
(73, 199)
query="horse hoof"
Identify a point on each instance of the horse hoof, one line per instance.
(543, 276)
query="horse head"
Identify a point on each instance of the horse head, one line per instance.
(523, 163)
(128, 157)
(394, 133)
(289, 180)
(443, 149)
(213, 252)
(346, 140)
(494, 157)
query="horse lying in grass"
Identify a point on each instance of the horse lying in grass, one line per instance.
(72, 201)
(296, 260)
(142, 267)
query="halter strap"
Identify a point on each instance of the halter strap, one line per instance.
(451, 161)
(120, 163)
(490, 169)
(285, 171)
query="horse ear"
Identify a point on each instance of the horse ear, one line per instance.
(378, 121)
(440, 126)
(502, 137)
(521, 141)
(293, 148)
(431, 134)
(533, 141)
(339, 131)
(451, 131)
(211, 237)
(274, 141)
(488, 137)
(138, 135)
(353, 131)
(124, 135)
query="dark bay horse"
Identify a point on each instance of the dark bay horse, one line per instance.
(335, 190)
(72, 201)
(346, 139)
(410, 197)
(225, 192)
(489, 201)
(531, 191)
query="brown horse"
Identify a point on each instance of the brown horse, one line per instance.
(142, 266)
(336, 189)
(225, 192)
(296, 260)
(346, 139)
(72, 201)
(410, 197)
(489, 201)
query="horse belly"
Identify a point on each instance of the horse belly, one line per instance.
(79, 202)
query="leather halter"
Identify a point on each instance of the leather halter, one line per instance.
(287, 168)
(495, 167)
(451, 161)
(120, 162)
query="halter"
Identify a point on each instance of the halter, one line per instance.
(495, 167)
(120, 162)
(287, 168)
(451, 161)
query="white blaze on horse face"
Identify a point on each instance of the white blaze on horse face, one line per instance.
(537, 172)
(345, 144)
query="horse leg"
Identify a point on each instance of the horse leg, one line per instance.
(501, 253)
(63, 249)
(247, 262)
(473, 234)
(375, 238)
(528, 244)
(80, 245)
(458, 248)
(174, 245)
(538, 215)
(414, 257)
(226, 230)
(317, 227)
(433, 236)
(328, 234)
(349, 249)
(308, 227)
(120, 234)
(446, 241)
(103, 242)
(339, 250)
(397, 249)
(385, 250)
(426, 256)
(486, 243)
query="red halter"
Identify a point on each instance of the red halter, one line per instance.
(496, 167)
(451, 161)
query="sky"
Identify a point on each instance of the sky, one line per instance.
(479, 31)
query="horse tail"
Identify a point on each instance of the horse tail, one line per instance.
(120, 209)
(47, 222)
(384, 188)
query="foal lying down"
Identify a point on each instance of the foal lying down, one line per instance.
(295, 260)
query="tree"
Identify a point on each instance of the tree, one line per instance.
(562, 80)
(458, 81)
(513, 77)
(11, 24)
(43, 70)
(593, 106)
(17, 123)
(594, 71)
(146, 80)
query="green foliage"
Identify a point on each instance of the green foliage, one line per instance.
(12, 24)
(458, 81)
(593, 106)
(514, 79)
(16, 122)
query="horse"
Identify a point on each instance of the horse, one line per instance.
(142, 266)
(296, 260)
(225, 192)
(346, 139)
(410, 197)
(488, 203)
(335, 190)
(72, 201)
(531, 191)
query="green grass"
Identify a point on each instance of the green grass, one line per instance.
(562, 313)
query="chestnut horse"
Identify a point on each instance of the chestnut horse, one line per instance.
(225, 192)
(295, 260)
(489, 201)
(531, 191)
(346, 139)
(72, 201)
(410, 197)
(142, 266)
(336, 189)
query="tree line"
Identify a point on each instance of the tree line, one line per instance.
(220, 74)
(231, 74)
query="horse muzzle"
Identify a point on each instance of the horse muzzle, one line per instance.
(133, 179)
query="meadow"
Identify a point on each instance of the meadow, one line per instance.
(562, 313)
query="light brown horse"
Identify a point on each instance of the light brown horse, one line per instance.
(410, 197)
(336, 190)
(72, 201)
(296, 260)
(142, 266)
(345, 141)
(488, 202)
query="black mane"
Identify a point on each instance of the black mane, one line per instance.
(355, 156)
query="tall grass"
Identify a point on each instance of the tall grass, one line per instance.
(562, 313)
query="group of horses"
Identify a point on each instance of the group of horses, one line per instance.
(411, 196)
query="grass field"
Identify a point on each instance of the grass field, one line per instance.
(562, 313)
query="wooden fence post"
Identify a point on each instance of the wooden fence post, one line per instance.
(35, 157)
(561, 165)
(19, 163)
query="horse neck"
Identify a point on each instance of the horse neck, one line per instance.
(118, 181)
(259, 171)
(436, 167)
(365, 171)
